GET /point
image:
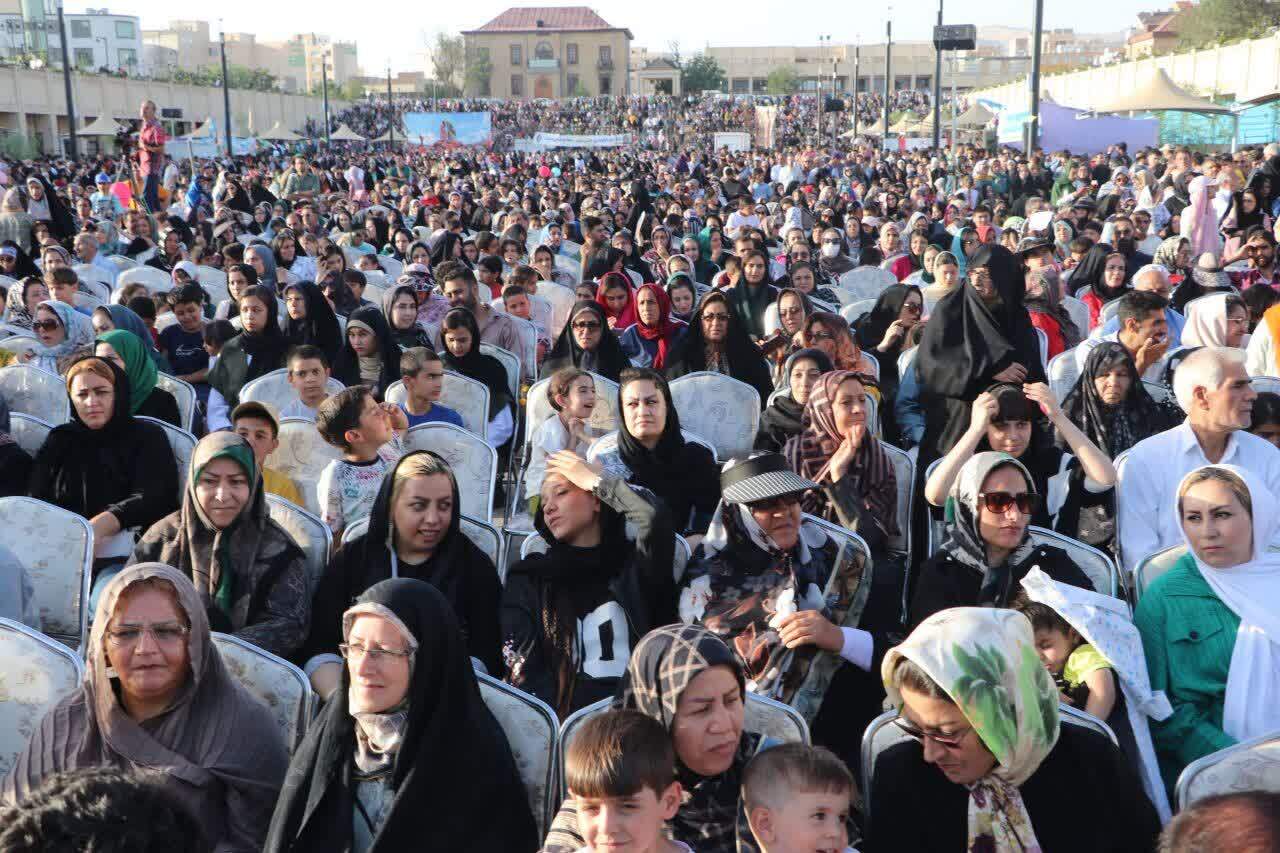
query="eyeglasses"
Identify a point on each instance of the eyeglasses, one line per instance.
(45, 325)
(912, 308)
(1028, 502)
(165, 634)
(821, 336)
(951, 741)
(586, 326)
(352, 652)
(715, 318)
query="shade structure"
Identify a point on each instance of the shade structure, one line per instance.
(976, 116)
(103, 125)
(386, 137)
(281, 134)
(1158, 93)
(345, 134)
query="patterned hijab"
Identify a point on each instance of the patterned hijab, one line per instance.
(15, 304)
(985, 660)
(78, 327)
(1113, 428)
(964, 540)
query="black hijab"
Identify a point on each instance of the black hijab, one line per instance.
(443, 250)
(1114, 428)
(1090, 272)
(78, 447)
(871, 330)
(320, 326)
(415, 335)
(449, 727)
(476, 365)
(608, 359)
(783, 417)
(267, 347)
(745, 362)
(346, 367)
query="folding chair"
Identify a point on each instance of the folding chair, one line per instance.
(37, 673)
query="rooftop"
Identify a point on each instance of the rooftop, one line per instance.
(524, 19)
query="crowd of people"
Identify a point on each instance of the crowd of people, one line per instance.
(1071, 358)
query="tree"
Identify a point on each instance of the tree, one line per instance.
(782, 80)
(479, 70)
(1216, 21)
(702, 73)
(448, 58)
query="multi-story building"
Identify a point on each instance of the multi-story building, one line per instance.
(552, 52)
(95, 39)
(1157, 32)
(188, 43)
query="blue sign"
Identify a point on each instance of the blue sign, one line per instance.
(448, 128)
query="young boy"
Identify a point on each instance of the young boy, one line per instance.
(216, 335)
(183, 342)
(620, 771)
(63, 283)
(572, 394)
(422, 373)
(518, 299)
(365, 432)
(797, 799)
(254, 422)
(309, 376)
(145, 308)
(1084, 677)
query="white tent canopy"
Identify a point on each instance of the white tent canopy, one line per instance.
(346, 134)
(976, 116)
(1156, 93)
(103, 125)
(281, 134)
(205, 129)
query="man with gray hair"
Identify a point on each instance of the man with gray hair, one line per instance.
(1213, 389)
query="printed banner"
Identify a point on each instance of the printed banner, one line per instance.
(207, 148)
(766, 120)
(572, 140)
(733, 140)
(449, 128)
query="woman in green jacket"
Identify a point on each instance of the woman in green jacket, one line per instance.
(1211, 624)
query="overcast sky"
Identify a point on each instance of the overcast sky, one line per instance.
(396, 32)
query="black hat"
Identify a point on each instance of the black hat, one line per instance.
(761, 477)
(1029, 245)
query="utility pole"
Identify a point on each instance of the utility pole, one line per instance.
(888, 71)
(1032, 129)
(819, 76)
(324, 90)
(854, 87)
(72, 148)
(226, 91)
(937, 90)
(391, 111)
(835, 124)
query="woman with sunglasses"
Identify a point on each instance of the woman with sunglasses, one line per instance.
(1006, 773)
(885, 332)
(587, 342)
(718, 342)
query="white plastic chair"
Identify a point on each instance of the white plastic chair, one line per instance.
(531, 729)
(94, 277)
(1265, 383)
(302, 456)
(391, 267)
(561, 300)
(1153, 567)
(181, 442)
(866, 282)
(37, 673)
(473, 460)
(183, 393)
(214, 282)
(1251, 765)
(32, 391)
(604, 416)
(856, 309)
(904, 471)
(155, 280)
(466, 396)
(56, 548)
(1108, 311)
(309, 533)
(1079, 313)
(28, 431)
(122, 262)
(1063, 373)
(1097, 566)
(278, 684)
(18, 343)
(510, 363)
(274, 389)
(721, 409)
(1044, 346)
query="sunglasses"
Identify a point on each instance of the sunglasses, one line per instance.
(912, 308)
(1028, 502)
(45, 325)
(586, 326)
(777, 503)
(951, 741)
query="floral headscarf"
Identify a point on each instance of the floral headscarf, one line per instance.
(964, 540)
(79, 330)
(985, 660)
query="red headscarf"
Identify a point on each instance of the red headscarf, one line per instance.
(626, 318)
(665, 331)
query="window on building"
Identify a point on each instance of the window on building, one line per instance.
(606, 84)
(124, 30)
(84, 57)
(606, 55)
(571, 84)
(483, 88)
(571, 54)
(544, 51)
(517, 85)
(128, 58)
(517, 55)
(81, 30)
(924, 82)
(760, 84)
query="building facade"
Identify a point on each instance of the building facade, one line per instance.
(96, 39)
(554, 52)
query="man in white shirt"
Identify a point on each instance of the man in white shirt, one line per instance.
(1213, 389)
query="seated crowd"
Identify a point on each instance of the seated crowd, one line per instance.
(693, 395)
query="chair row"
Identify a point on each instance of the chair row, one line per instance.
(43, 395)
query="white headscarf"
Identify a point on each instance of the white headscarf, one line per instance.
(1252, 591)
(1206, 321)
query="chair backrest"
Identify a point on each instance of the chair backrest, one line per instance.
(608, 443)
(122, 262)
(87, 301)
(1063, 373)
(183, 393)
(36, 673)
(535, 544)
(510, 363)
(483, 535)
(466, 396)
(274, 389)
(97, 275)
(561, 299)
(155, 280)
(28, 431)
(531, 729)
(1159, 392)
(307, 530)
(721, 409)
(473, 460)
(1044, 346)
(183, 444)
(56, 548)
(772, 322)
(604, 416)
(1080, 292)
(904, 470)
(856, 309)
(1153, 567)
(272, 680)
(1108, 311)
(866, 282)
(1265, 383)
(1251, 765)
(1078, 311)
(302, 457)
(18, 343)
(1096, 565)
(32, 391)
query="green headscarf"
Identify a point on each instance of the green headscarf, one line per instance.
(223, 445)
(138, 365)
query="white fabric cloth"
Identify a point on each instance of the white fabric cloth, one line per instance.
(1260, 354)
(1252, 592)
(1152, 472)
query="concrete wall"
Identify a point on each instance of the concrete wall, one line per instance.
(1240, 70)
(31, 101)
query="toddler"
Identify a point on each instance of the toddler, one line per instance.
(797, 799)
(1083, 675)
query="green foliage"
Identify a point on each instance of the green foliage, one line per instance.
(782, 80)
(982, 696)
(479, 71)
(448, 58)
(238, 77)
(15, 146)
(1213, 22)
(702, 73)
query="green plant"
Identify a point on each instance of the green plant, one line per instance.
(782, 80)
(702, 73)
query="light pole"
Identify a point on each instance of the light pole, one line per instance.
(66, 82)
(324, 90)
(937, 89)
(856, 49)
(106, 51)
(226, 88)
(819, 82)
(888, 71)
(1032, 130)
(391, 112)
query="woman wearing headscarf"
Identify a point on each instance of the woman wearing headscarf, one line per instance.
(255, 352)
(1216, 320)
(130, 355)
(400, 307)
(884, 332)
(157, 695)
(753, 294)
(976, 336)
(1209, 625)
(60, 331)
(1206, 276)
(414, 532)
(717, 342)
(250, 575)
(21, 302)
(831, 333)
(374, 761)
(432, 306)
(15, 463)
(460, 334)
(586, 342)
(615, 296)
(311, 319)
(556, 604)
(1102, 271)
(977, 703)
(1111, 406)
(108, 317)
(782, 419)
(169, 251)
(837, 450)
(1174, 254)
(15, 223)
(963, 246)
(1044, 306)
(658, 252)
(104, 465)
(447, 246)
(987, 549)
(263, 260)
(370, 355)
(655, 334)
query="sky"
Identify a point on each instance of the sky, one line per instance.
(397, 32)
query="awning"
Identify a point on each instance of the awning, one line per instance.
(345, 134)
(281, 134)
(1159, 93)
(976, 116)
(204, 130)
(103, 125)
(386, 137)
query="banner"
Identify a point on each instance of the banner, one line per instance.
(207, 148)
(569, 140)
(449, 128)
(733, 140)
(766, 121)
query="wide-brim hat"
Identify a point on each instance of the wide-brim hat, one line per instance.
(761, 478)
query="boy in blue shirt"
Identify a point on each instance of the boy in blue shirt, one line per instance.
(422, 373)
(104, 202)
